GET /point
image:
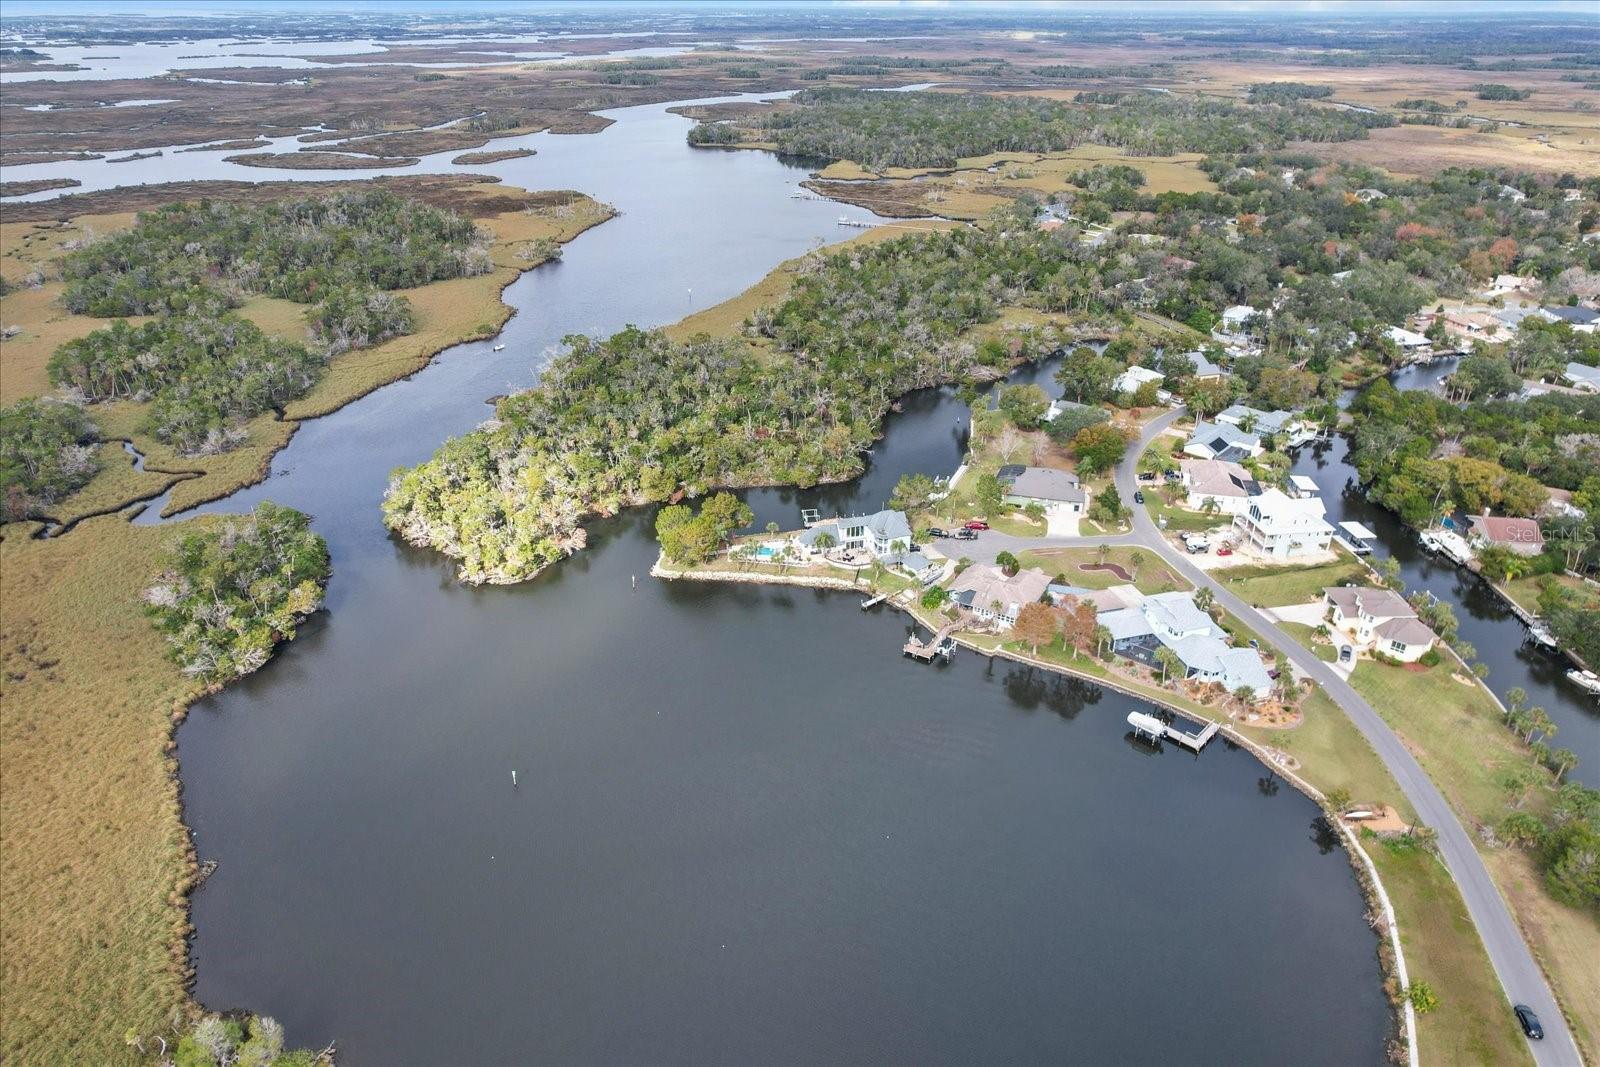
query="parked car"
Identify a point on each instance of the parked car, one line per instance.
(1224, 551)
(934, 531)
(1138, 496)
(965, 534)
(1346, 653)
(1529, 1021)
(1172, 476)
(977, 524)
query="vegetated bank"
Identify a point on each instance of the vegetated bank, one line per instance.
(306, 306)
(98, 864)
(640, 417)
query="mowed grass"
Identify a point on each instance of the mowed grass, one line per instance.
(1473, 1023)
(1151, 575)
(1525, 591)
(1456, 734)
(1275, 585)
(96, 856)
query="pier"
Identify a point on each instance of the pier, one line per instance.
(937, 645)
(1146, 725)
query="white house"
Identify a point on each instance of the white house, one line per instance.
(883, 533)
(1582, 377)
(1057, 491)
(1056, 407)
(1131, 379)
(1220, 440)
(1174, 621)
(986, 591)
(1283, 527)
(1228, 485)
(1380, 617)
(1407, 340)
(1284, 425)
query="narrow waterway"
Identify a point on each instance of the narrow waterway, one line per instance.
(746, 829)
(1486, 622)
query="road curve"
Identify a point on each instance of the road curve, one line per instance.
(1520, 976)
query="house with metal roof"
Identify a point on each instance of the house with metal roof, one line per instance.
(1173, 620)
(1130, 380)
(1282, 526)
(883, 533)
(1581, 376)
(1285, 425)
(1579, 318)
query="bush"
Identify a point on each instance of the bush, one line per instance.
(230, 593)
(1430, 658)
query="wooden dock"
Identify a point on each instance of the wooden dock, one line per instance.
(937, 645)
(1146, 725)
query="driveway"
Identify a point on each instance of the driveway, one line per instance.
(1520, 977)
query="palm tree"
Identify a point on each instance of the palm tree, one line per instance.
(1209, 506)
(1245, 696)
(1516, 699)
(1102, 552)
(1169, 661)
(1565, 759)
(1102, 639)
(1205, 599)
(824, 541)
(1539, 723)
(1137, 559)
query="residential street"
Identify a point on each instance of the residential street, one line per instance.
(1519, 974)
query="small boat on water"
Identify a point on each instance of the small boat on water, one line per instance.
(1540, 635)
(498, 347)
(1585, 680)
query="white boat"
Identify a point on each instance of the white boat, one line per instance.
(498, 347)
(1585, 680)
(1540, 635)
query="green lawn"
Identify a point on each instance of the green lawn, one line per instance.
(1275, 585)
(1151, 576)
(1473, 1023)
(1525, 591)
(1181, 519)
(1333, 754)
(1307, 636)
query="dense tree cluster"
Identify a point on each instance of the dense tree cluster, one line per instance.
(232, 591)
(222, 1041)
(882, 130)
(1422, 456)
(686, 537)
(46, 451)
(204, 371)
(1287, 92)
(637, 417)
(188, 263)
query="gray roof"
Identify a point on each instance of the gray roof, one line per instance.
(1203, 367)
(1266, 421)
(1125, 624)
(1362, 600)
(1578, 316)
(1219, 435)
(1243, 667)
(1047, 483)
(913, 562)
(889, 525)
(1177, 611)
(1410, 631)
(1582, 372)
(1513, 316)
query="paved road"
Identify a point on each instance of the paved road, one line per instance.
(1520, 976)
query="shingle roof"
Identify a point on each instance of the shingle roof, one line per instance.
(1177, 611)
(1410, 631)
(1047, 483)
(1578, 316)
(1217, 477)
(1361, 600)
(1125, 623)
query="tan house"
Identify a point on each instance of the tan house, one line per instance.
(986, 591)
(1380, 617)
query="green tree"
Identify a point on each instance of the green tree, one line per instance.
(989, 493)
(1169, 662)
(1098, 448)
(1024, 405)
(1006, 562)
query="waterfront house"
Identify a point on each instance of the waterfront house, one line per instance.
(1581, 319)
(1409, 342)
(1582, 377)
(1521, 536)
(1511, 318)
(883, 534)
(989, 593)
(1380, 617)
(1174, 621)
(1130, 380)
(1220, 440)
(1204, 369)
(1226, 484)
(1286, 426)
(1057, 407)
(1057, 491)
(1283, 527)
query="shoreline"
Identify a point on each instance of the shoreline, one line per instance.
(1366, 872)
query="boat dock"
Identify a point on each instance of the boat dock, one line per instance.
(874, 601)
(1146, 725)
(937, 645)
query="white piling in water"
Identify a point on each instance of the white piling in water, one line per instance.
(513, 779)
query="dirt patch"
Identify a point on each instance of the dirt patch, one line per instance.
(1114, 568)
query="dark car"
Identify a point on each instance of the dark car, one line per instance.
(965, 534)
(1530, 1022)
(934, 531)
(1138, 497)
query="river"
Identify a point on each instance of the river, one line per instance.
(746, 829)
(1486, 622)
